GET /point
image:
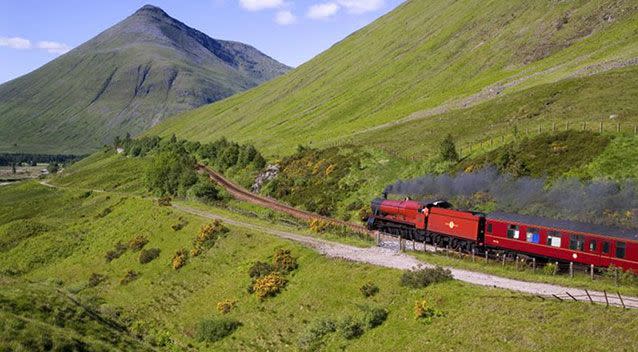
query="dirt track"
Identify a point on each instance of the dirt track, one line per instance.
(388, 255)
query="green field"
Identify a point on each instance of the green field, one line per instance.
(442, 64)
(58, 250)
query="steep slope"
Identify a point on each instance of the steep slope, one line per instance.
(424, 59)
(126, 79)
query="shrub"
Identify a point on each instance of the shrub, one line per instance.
(96, 279)
(423, 311)
(180, 225)
(349, 328)
(148, 255)
(629, 277)
(179, 259)
(374, 317)
(260, 269)
(137, 243)
(212, 330)
(269, 285)
(425, 277)
(164, 201)
(208, 235)
(205, 191)
(311, 338)
(284, 262)
(111, 255)
(369, 289)
(129, 277)
(318, 225)
(448, 149)
(549, 269)
(226, 306)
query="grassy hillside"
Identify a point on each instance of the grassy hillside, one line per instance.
(126, 79)
(61, 252)
(427, 59)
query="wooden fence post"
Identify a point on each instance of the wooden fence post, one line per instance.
(601, 126)
(487, 250)
(553, 126)
(621, 301)
(606, 299)
(590, 300)
(591, 271)
(556, 269)
(618, 127)
(534, 264)
(425, 249)
(571, 269)
(616, 276)
(378, 238)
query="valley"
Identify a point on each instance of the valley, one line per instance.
(458, 176)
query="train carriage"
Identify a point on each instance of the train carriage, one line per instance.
(563, 240)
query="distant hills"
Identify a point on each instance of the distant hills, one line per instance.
(429, 68)
(127, 79)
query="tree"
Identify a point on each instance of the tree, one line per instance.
(53, 168)
(448, 149)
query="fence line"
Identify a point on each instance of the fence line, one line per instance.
(518, 131)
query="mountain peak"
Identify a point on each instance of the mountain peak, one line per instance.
(150, 10)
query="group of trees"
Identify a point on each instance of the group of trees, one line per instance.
(7, 159)
(172, 171)
(223, 155)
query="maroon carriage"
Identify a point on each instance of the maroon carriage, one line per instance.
(563, 240)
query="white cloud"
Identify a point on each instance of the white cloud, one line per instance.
(361, 6)
(15, 42)
(21, 43)
(53, 47)
(321, 11)
(256, 5)
(285, 18)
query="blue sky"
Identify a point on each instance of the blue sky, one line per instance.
(33, 32)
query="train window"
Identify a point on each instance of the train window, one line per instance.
(489, 228)
(513, 232)
(533, 235)
(620, 249)
(576, 242)
(553, 239)
(592, 245)
(605, 247)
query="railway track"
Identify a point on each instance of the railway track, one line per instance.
(241, 193)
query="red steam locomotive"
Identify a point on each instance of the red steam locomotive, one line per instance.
(567, 241)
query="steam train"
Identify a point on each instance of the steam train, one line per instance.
(437, 222)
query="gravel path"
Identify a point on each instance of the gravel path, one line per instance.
(388, 256)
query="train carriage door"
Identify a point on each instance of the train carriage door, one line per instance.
(605, 248)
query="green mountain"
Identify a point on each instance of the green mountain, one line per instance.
(427, 68)
(126, 79)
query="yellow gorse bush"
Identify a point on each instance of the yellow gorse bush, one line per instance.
(179, 259)
(269, 285)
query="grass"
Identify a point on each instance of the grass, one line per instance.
(410, 61)
(581, 278)
(106, 171)
(165, 306)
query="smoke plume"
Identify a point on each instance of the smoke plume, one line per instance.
(602, 202)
